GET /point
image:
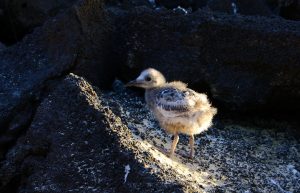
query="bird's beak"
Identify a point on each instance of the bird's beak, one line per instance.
(134, 83)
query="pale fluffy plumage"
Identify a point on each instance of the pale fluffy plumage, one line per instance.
(177, 108)
(180, 109)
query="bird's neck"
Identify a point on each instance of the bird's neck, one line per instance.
(148, 95)
(153, 88)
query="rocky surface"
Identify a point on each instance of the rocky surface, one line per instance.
(244, 7)
(229, 157)
(19, 18)
(202, 49)
(174, 4)
(83, 141)
(245, 63)
(64, 43)
(76, 144)
(57, 134)
(289, 9)
(128, 4)
(2, 46)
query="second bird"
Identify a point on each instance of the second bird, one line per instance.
(177, 108)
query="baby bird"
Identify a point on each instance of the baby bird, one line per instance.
(177, 108)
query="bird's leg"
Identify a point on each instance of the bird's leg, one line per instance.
(192, 142)
(174, 144)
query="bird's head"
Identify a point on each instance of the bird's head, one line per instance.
(149, 78)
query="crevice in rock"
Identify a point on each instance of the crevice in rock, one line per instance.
(13, 185)
(10, 33)
(20, 18)
(26, 168)
(291, 10)
(17, 126)
(15, 132)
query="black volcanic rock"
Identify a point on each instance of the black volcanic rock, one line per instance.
(171, 4)
(19, 18)
(45, 54)
(127, 4)
(2, 46)
(85, 141)
(244, 63)
(243, 7)
(77, 40)
(68, 40)
(231, 53)
(58, 135)
(96, 60)
(289, 9)
(76, 144)
(32, 13)
(271, 155)
(233, 58)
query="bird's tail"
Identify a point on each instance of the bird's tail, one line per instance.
(213, 111)
(205, 120)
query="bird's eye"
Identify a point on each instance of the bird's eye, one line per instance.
(148, 78)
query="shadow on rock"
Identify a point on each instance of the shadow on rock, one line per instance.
(76, 144)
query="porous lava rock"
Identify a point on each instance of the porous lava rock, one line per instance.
(77, 40)
(245, 63)
(75, 144)
(20, 17)
(243, 7)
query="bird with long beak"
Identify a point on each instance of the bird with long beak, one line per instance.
(177, 108)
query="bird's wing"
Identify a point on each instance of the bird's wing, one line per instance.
(173, 102)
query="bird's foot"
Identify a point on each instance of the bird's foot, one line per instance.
(171, 155)
(191, 156)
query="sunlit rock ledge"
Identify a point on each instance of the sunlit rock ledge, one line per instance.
(229, 157)
(82, 140)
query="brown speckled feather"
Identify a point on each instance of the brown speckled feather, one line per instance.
(180, 109)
